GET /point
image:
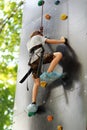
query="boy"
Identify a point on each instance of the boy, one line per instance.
(36, 44)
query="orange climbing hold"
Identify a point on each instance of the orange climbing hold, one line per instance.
(63, 17)
(59, 127)
(49, 118)
(47, 16)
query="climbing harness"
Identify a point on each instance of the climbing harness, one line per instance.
(29, 63)
(32, 51)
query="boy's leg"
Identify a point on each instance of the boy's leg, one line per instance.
(53, 59)
(35, 89)
(57, 57)
(32, 108)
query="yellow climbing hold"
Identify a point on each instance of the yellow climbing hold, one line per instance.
(47, 16)
(59, 127)
(43, 84)
(63, 16)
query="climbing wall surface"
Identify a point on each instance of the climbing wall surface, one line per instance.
(66, 106)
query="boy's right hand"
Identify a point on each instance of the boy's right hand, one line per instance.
(63, 39)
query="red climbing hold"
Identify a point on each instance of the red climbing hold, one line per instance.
(49, 118)
(47, 16)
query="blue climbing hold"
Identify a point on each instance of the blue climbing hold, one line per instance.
(57, 2)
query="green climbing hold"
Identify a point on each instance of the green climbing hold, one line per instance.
(57, 2)
(40, 2)
(31, 114)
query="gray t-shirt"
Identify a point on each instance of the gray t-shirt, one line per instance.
(35, 40)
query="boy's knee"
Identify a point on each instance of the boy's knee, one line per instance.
(58, 54)
(37, 84)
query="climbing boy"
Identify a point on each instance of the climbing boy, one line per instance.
(36, 47)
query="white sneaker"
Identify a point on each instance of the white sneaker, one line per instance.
(32, 108)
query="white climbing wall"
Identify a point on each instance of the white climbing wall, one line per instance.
(66, 107)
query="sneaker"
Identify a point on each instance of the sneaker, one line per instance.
(54, 75)
(32, 108)
(44, 76)
(50, 76)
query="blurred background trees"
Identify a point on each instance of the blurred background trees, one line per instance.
(10, 29)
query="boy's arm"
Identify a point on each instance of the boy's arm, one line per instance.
(54, 41)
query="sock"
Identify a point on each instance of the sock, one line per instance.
(33, 102)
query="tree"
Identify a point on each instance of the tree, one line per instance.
(10, 28)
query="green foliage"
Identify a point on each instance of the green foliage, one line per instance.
(10, 28)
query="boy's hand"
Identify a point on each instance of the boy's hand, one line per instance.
(63, 39)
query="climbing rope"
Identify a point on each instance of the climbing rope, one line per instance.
(41, 26)
(41, 3)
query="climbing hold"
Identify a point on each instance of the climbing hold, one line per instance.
(40, 2)
(63, 17)
(31, 114)
(49, 118)
(57, 2)
(47, 16)
(43, 84)
(59, 127)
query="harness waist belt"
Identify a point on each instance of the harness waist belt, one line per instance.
(36, 47)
